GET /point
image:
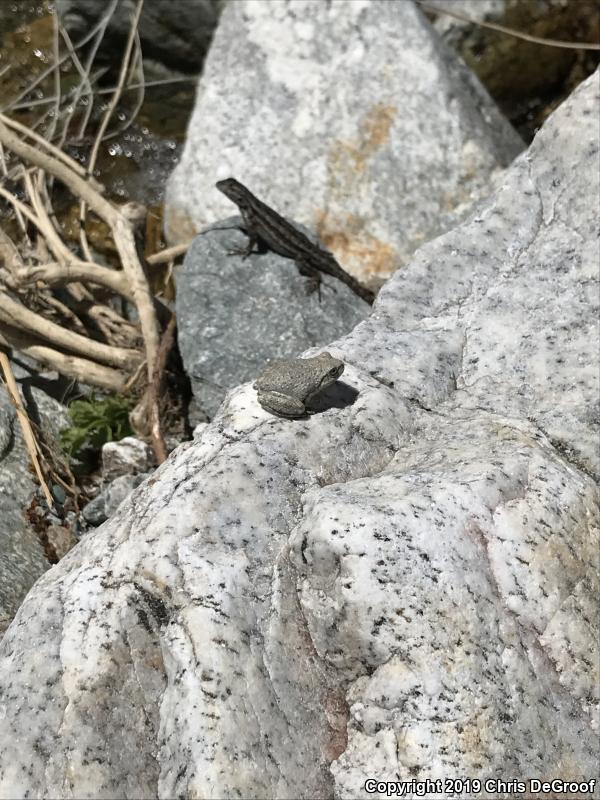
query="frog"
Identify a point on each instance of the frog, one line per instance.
(286, 387)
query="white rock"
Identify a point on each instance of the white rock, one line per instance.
(128, 456)
(350, 117)
(401, 587)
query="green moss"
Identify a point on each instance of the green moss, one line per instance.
(96, 422)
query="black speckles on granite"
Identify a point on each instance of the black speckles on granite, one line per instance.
(405, 586)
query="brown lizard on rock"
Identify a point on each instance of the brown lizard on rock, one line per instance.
(265, 226)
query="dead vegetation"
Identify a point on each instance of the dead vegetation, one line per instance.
(89, 314)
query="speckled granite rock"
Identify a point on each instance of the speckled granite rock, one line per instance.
(128, 456)
(22, 558)
(234, 315)
(351, 117)
(452, 29)
(110, 497)
(402, 586)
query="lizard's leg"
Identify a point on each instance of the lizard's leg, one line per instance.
(314, 283)
(244, 252)
(253, 241)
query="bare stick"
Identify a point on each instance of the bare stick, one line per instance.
(118, 221)
(44, 101)
(90, 61)
(24, 210)
(120, 84)
(12, 104)
(44, 223)
(60, 274)
(169, 253)
(510, 31)
(18, 214)
(10, 254)
(137, 63)
(80, 369)
(69, 269)
(57, 90)
(17, 315)
(46, 300)
(28, 435)
(134, 379)
(55, 151)
(85, 83)
(105, 120)
(155, 390)
(117, 330)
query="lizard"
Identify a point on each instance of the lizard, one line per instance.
(264, 226)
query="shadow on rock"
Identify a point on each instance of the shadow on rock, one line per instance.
(340, 395)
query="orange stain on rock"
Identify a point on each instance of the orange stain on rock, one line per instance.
(347, 159)
(356, 250)
(347, 237)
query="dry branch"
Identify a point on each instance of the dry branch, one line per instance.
(10, 254)
(104, 124)
(169, 253)
(60, 327)
(18, 316)
(527, 37)
(52, 150)
(80, 369)
(58, 275)
(121, 225)
(155, 391)
(28, 435)
(99, 26)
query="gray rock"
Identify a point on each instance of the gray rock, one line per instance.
(110, 497)
(454, 30)
(402, 586)
(351, 117)
(235, 315)
(22, 558)
(199, 430)
(176, 34)
(128, 456)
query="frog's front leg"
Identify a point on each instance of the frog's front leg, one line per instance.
(281, 404)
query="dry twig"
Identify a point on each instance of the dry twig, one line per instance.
(155, 390)
(81, 369)
(169, 253)
(118, 219)
(493, 26)
(28, 435)
(52, 297)
(105, 120)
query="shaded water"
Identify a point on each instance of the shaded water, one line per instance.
(134, 163)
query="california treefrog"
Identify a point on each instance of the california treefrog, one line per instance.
(286, 387)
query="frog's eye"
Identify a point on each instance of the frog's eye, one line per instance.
(334, 372)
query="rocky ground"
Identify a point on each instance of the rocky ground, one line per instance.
(404, 584)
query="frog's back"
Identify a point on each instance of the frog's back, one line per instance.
(289, 376)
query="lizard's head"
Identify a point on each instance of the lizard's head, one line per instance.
(232, 189)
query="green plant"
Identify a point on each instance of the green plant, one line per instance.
(96, 422)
